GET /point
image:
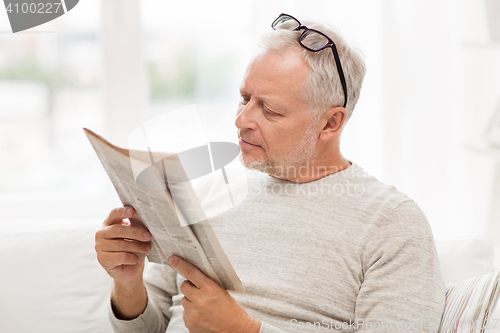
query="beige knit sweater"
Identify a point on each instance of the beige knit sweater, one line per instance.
(344, 253)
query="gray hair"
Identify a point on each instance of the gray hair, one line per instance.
(323, 89)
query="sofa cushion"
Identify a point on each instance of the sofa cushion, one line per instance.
(470, 304)
(464, 258)
(51, 280)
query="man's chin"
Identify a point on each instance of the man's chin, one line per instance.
(274, 168)
(265, 166)
(254, 164)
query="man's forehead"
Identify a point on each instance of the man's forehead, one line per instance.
(276, 78)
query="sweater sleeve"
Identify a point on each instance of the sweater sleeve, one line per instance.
(161, 286)
(402, 288)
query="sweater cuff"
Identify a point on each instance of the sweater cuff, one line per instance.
(137, 324)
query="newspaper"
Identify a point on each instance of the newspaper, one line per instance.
(164, 217)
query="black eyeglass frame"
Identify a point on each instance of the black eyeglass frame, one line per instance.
(330, 44)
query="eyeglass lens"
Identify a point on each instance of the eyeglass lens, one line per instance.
(286, 22)
(313, 40)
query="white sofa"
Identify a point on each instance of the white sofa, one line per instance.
(50, 279)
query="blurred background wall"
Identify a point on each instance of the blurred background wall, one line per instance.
(429, 96)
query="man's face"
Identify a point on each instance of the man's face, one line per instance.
(276, 129)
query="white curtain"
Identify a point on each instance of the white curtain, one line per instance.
(440, 82)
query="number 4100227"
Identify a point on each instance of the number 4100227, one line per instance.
(42, 8)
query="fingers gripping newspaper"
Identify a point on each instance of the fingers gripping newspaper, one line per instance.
(163, 216)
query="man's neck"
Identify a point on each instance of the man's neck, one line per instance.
(314, 170)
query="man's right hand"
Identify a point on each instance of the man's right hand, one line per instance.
(121, 248)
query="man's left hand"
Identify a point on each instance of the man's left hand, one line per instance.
(208, 307)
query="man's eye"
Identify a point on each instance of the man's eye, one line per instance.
(269, 112)
(244, 99)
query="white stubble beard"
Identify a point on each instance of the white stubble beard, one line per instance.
(282, 166)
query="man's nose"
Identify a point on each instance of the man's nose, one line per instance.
(245, 119)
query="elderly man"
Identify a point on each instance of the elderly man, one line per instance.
(318, 243)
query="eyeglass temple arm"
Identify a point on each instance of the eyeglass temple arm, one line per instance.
(341, 73)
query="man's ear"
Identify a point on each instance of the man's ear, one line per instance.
(333, 121)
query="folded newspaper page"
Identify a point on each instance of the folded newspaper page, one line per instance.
(156, 209)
